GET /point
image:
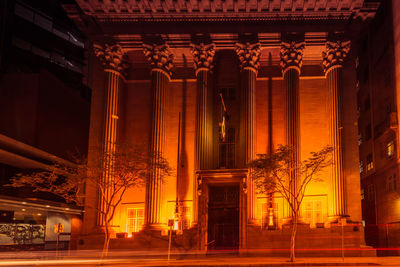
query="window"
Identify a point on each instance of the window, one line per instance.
(390, 149)
(135, 220)
(370, 163)
(185, 217)
(368, 132)
(371, 192)
(313, 212)
(362, 194)
(46, 23)
(359, 139)
(392, 183)
(361, 166)
(227, 150)
(228, 93)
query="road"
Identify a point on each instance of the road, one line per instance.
(128, 258)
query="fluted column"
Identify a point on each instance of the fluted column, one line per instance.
(249, 55)
(291, 61)
(203, 57)
(332, 63)
(111, 57)
(160, 59)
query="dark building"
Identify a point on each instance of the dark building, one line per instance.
(378, 105)
(44, 113)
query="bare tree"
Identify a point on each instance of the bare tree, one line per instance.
(273, 173)
(112, 174)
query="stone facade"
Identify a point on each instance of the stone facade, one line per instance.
(263, 89)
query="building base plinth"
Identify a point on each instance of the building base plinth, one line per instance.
(335, 241)
(318, 242)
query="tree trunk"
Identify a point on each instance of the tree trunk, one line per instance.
(293, 239)
(106, 240)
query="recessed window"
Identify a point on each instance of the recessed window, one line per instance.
(185, 217)
(361, 164)
(368, 132)
(313, 212)
(392, 183)
(371, 192)
(228, 93)
(135, 220)
(370, 162)
(227, 150)
(390, 148)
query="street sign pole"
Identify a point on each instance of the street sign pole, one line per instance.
(170, 225)
(58, 240)
(342, 224)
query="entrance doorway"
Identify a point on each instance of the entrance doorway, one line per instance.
(223, 218)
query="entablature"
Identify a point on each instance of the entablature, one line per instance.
(180, 47)
(223, 10)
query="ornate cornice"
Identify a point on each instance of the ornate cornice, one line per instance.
(203, 56)
(159, 57)
(335, 54)
(249, 55)
(162, 11)
(111, 56)
(291, 55)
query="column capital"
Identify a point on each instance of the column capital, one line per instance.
(335, 54)
(159, 57)
(291, 55)
(111, 57)
(249, 55)
(203, 56)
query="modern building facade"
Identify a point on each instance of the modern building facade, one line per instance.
(44, 117)
(378, 83)
(166, 73)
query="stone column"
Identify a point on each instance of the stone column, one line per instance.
(249, 56)
(291, 61)
(332, 63)
(203, 56)
(111, 56)
(160, 59)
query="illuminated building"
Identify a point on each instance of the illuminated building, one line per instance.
(44, 115)
(287, 74)
(378, 104)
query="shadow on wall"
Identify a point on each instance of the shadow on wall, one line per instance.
(183, 170)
